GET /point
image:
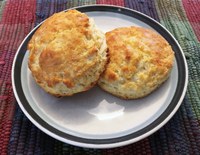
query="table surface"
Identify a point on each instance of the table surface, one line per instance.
(181, 135)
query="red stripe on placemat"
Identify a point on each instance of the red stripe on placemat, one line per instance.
(17, 20)
(111, 2)
(192, 9)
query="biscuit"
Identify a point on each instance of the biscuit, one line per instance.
(67, 53)
(140, 60)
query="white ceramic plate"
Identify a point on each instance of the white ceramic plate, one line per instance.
(96, 119)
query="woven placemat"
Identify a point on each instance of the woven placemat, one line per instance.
(181, 135)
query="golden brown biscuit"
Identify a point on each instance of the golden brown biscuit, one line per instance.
(140, 60)
(67, 53)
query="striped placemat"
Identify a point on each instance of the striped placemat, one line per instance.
(181, 135)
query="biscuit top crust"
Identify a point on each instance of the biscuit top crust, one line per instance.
(63, 39)
(138, 58)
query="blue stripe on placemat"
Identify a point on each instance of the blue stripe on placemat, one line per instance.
(145, 6)
(45, 8)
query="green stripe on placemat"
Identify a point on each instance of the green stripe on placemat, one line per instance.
(173, 17)
(74, 3)
(2, 3)
(176, 22)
